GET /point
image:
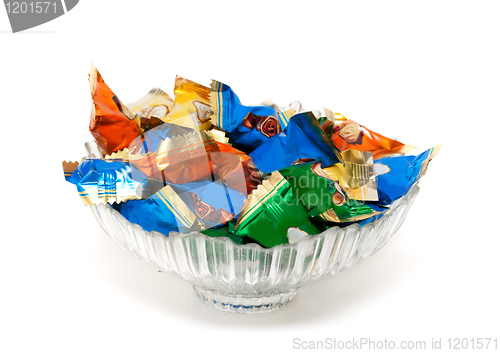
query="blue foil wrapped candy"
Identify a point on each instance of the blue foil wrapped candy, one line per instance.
(404, 172)
(302, 139)
(102, 181)
(183, 208)
(163, 212)
(248, 126)
(213, 202)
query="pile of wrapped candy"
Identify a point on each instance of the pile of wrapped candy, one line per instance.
(204, 162)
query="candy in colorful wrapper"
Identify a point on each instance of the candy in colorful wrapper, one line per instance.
(69, 168)
(195, 156)
(116, 126)
(271, 213)
(219, 136)
(348, 134)
(156, 104)
(112, 124)
(185, 158)
(322, 196)
(152, 137)
(326, 125)
(185, 208)
(357, 175)
(248, 126)
(404, 172)
(191, 105)
(146, 162)
(213, 203)
(108, 181)
(150, 123)
(302, 139)
(231, 163)
(379, 212)
(163, 212)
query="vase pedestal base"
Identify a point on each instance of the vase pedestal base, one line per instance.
(244, 304)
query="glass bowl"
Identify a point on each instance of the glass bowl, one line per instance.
(249, 279)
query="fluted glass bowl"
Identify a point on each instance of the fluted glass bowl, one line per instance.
(249, 279)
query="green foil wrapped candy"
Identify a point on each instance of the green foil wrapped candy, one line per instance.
(321, 195)
(270, 212)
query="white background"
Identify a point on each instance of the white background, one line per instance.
(426, 72)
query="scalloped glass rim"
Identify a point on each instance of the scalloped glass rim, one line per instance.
(411, 194)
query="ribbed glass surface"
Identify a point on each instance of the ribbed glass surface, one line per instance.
(248, 278)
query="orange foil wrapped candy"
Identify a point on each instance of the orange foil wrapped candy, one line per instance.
(186, 158)
(145, 162)
(348, 134)
(237, 169)
(196, 156)
(112, 124)
(175, 165)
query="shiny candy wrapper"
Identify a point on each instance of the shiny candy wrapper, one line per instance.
(193, 157)
(232, 162)
(213, 203)
(163, 212)
(146, 163)
(185, 158)
(155, 104)
(219, 136)
(151, 139)
(112, 124)
(302, 139)
(272, 215)
(185, 208)
(404, 172)
(248, 126)
(177, 160)
(150, 123)
(357, 176)
(108, 181)
(347, 134)
(191, 105)
(322, 196)
(379, 212)
(116, 126)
